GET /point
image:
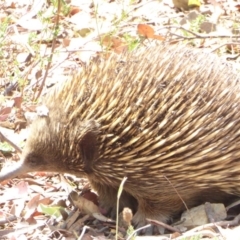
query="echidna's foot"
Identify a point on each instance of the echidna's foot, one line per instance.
(139, 221)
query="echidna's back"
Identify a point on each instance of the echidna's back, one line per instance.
(169, 106)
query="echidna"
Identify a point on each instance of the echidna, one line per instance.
(167, 118)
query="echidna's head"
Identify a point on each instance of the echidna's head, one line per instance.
(40, 152)
(56, 147)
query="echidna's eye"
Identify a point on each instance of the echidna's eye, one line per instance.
(32, 160)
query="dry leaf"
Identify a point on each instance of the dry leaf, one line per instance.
(86, 206)
(31, 206)
(145, 30)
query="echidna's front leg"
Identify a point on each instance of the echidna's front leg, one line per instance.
(108, 199)
(109, 202)
(154, 210)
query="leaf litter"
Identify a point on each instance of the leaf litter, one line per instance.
(42, 205)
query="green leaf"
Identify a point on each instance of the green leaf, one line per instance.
(194, 3)
(6, 148)
(51, 210)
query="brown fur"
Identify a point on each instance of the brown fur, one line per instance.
(167, 118)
